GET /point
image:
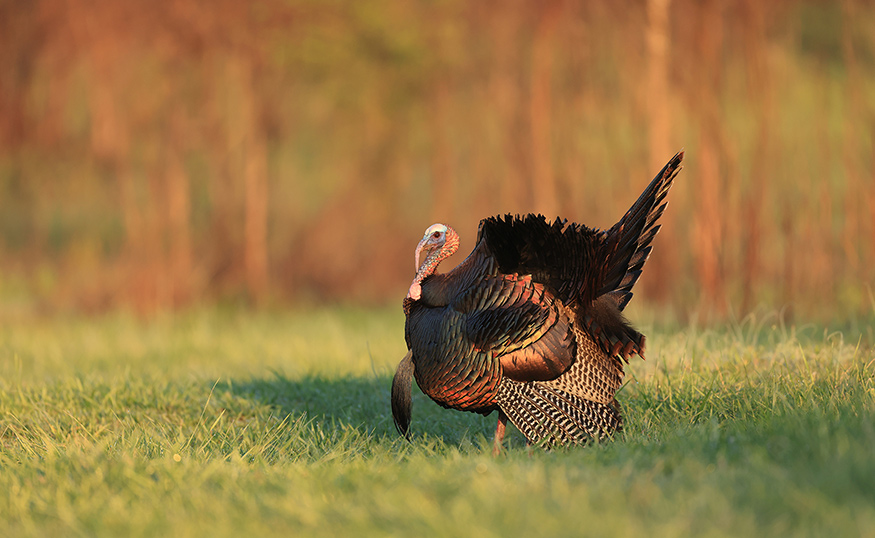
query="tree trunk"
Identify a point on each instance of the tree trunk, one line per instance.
(543, 179)
(708, 236)
(659, 120)
(255, 195)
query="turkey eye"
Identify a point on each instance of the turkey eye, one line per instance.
(436, 235)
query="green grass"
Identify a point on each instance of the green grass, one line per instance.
(277, 424)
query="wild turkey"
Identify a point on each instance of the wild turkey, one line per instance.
(531, 323)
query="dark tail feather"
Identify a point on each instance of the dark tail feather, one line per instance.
(543, 413)
(627, 243)
(624, 250)
(401, 397)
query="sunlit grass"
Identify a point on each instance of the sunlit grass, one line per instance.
(262, 424)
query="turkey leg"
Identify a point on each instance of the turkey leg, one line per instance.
(498, 442)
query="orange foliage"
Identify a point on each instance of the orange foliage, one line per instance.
(155, 154)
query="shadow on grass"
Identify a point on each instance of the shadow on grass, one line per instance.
(361, 403)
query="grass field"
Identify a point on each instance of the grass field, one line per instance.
(217, 423)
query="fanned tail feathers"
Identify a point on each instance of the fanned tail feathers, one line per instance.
(547, 414)
(628, 242)
(625, 249)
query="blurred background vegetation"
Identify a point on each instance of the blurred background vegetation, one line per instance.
(165, 153)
